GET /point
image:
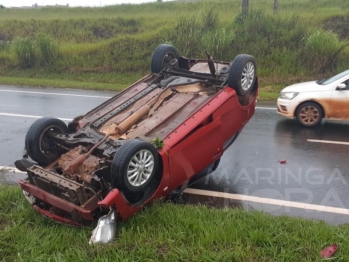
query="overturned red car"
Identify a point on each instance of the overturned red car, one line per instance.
(160, 134)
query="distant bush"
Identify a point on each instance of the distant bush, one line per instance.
(209, 17)
(40, 50)
(321, 50)
(48, 49)
(284, 46)
(25, 52)
(217, 43)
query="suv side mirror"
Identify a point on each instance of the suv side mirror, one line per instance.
(341, 86)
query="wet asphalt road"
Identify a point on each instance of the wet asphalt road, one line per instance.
(314, 173)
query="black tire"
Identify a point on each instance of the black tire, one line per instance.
(309, 114)
(164, 55)
(242, 74)
(124, 163)
(37, 142)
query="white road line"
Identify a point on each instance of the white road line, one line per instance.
(50, 93)
(11, 169)
(31, 116)
(269, 201)
(328, 142)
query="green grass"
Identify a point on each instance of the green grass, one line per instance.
(59, 83)
(167, 232)
(114, 44)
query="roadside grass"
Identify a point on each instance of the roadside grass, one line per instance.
(167, 232)
(61, 83)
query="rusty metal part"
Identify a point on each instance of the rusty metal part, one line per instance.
(84, 171)
(161, 99)
(194, 88)
(138, 115)
(57, 185)
(125, 105)
(211, 64)
(66, 159)
(126, 113)
(204, 68)
(71, 168)
(170, 107)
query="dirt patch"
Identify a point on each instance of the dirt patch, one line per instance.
(163, 249)
(339, 25)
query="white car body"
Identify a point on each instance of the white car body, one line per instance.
(331, 94)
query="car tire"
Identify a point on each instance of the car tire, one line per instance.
(309, 114)
(134, 166)
(164, 55)
(242, 74)
(38, 145)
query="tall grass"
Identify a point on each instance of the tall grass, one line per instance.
(322, 49)
(48, 49)
(40, 50)
(24, 52)
(200, 32)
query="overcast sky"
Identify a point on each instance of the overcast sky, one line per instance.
(18, 3)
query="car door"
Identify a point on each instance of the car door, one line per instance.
(199, 149)
(339, 105)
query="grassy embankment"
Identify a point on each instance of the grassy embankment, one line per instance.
(166, 232)
(111, 47)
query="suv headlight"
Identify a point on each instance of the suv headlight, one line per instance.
(288, 95)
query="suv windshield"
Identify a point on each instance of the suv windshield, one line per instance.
(333, 78)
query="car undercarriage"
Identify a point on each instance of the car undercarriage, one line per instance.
(123, 148)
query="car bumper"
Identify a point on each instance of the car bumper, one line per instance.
(286, 107)
(77, 216)
(65, 206)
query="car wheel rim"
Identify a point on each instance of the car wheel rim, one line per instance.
(309, 115)
(45, 143)
(140, 168)
(168, 59)
(247, 76)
